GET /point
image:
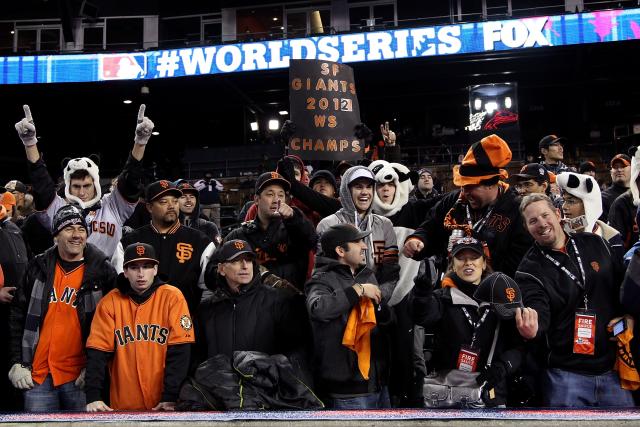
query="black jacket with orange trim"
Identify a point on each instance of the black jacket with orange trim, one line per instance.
(283, 248)
(503, 231)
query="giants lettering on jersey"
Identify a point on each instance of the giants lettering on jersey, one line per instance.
(103, 227)
(142, 332)
(68, 297)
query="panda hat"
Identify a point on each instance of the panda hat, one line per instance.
(90, 164)
(401, 176)
(585, 188)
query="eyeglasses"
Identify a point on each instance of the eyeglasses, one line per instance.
(571, 201)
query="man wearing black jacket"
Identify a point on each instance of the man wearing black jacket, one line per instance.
(620, 177)
(483, 209)
(243, 314)
(62, 286)
(570, 286)
(145, 328)
(281, 235)
(343, 295)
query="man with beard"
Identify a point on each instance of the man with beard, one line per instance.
(183, 252)
(482, 208)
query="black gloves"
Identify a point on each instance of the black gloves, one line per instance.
(423, 281)
(285, 168)
(287, 130)
(361, 131)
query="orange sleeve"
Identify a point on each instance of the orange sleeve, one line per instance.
(102, 332)
(180, 321)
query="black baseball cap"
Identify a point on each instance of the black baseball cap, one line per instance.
(470, 243)
(340, 234)
(550, 140)
(233, 249)
(502, 292)
(186, 187)
(139, 252)
(270, 178)
(159, 189)
(531, 171)
(587, 167)
(323, 173)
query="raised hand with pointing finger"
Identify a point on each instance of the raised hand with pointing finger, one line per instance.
(144, 127)
(26, 129)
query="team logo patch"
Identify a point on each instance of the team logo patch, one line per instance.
(185, 323)
(510, 293)
(595, 266)
(239, 245)
(275, 175)
(184, 251)
(164, 184)
(140, 250)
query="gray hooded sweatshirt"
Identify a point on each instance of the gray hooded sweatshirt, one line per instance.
(382, 246)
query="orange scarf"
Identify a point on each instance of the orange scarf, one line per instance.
(1, 278)
(357, 334)
(629, 378)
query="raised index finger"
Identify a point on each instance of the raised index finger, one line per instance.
(27, 112)
(141, 112)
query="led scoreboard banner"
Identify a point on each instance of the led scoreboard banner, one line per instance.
(526, 33)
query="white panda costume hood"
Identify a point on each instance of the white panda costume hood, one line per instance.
(585, 188)
(399, 174)
(90, 165)
(635, 171)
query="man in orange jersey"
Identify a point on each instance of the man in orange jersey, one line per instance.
(144, 327)
(51, 315)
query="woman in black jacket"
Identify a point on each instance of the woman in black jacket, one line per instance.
(464, 326)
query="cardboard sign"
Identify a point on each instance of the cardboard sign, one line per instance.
(324, 107)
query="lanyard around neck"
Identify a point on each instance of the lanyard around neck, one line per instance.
(581, 283)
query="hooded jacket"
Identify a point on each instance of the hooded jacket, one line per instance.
(330, 298)
(98, 279)
(556, 297)
(209, 228)
(405, 215)
(382, 246)
(503, 230)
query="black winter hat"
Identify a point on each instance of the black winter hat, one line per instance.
(66, 216)
(323, 173)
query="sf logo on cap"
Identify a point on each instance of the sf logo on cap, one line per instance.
(140, 250)
(164, 184)
(239, 245)
(511, 294)
(275, 175)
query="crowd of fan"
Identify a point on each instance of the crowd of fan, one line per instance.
(346, 289)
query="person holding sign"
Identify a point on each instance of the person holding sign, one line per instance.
(105, 215)
(571, 287)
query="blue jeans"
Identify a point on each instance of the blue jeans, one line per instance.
(568, 389)
(47, 398)
(369, 401)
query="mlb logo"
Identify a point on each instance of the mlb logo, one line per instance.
(122, 66)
